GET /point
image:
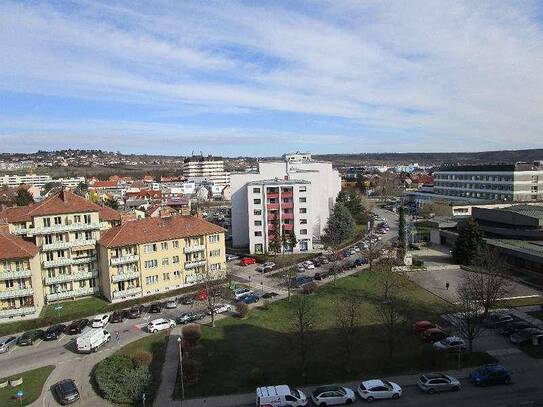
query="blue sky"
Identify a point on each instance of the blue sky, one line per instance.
(261, 78)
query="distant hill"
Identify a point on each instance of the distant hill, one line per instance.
(484, 157)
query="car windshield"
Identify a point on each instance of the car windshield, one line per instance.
(68, 387)
(295, 393)
(387, 384)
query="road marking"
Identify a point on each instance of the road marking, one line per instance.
(39, 342)
(11, 350)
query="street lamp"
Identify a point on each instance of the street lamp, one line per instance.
(179, 342)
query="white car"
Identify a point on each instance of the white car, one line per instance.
(160, 324)
(301, 267)
(309, 265)
(6, 343)
(332, 396)
(240, 292)
(100, 321)
(222, 308)
(377, 389)
(451, 344)
(171, 304)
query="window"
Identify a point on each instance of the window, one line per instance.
(175, 259)
(303, 231)
(151, 279)
(177, 274)
(258, 234)
(258, 223)
(303, 210)
(215, 267)
(46, 222)
(58, 220)
(256, 190)
(257, 201)
(77, 218)
(60, 253)
(215, 253)
(257, 212)
(175, 244)
(149, 264)
(48, 239)
(87, 219)
(302, 189)
(149, 248)
(303, 199)
(164, 245)
(166, 276)
(214, 238)
(259, 248)
(165, 261)
(303, 221)
(49, 256)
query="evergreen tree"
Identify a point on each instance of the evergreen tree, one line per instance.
(23, 197)
(468, 243)
(355, 206)
(292, 240)
(342, 197)
(274, 245)
(340, 226)
(112, 203)
(402, 239)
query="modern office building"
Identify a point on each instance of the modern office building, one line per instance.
(38, 180)
(211, 168)
(322, 183)
(21, 292)
(155, 255)
(502, 182)
(65, 227)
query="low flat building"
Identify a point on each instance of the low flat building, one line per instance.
(155, 255)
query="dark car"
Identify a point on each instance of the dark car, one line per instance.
(188, 317)
(434, 335)
(249, 299)
(77, 327)
(513, 327)
(497, 320)
(54, 332)
(360, 261)
(28, 338)
(66, 391)
(300, 281)
(155, 308)
(186, 300)
(527, 335)
(117, 317)
(135, 311)
(269, 295)
(489, 375)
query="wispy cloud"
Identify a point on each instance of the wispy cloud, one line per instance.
(428, 75)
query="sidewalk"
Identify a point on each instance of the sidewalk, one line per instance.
(169, 370)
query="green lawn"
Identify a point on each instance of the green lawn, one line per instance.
(77, 309)
(32, 386)
(536, 314)
(520, 302)
(265, 340)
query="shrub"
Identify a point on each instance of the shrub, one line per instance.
(256, 376)
(309, 288)
(142, 358)
(192, 334)
(242, 309)
(118, 381)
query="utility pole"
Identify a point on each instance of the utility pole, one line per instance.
(180, 343)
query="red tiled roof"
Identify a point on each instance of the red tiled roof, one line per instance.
(13, 247)
(57, 204)
(104, 184)
(107, 214)
(150, 230)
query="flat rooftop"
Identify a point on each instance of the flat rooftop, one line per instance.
(279, 182)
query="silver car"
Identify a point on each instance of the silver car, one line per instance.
(436, 382)
(6, 343)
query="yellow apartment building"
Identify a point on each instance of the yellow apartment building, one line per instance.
(154, 255)
(21, 291)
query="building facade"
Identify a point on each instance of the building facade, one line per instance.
(155, 255)
(65, 228)
(516, 182)
(21, 291)
(208, 167)
(38, 180)
(324, 183)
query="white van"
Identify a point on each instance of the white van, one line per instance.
(92, 339)
(279, 396)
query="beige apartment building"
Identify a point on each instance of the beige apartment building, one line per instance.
(21, 291)
(155, 255)
(65, 228)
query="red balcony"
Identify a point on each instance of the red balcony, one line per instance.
(289, 226)
(287, 205)
(286, 195)
(272, 206)
(273, 195)
(287, 216)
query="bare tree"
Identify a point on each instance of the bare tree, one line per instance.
(213, 286)
(347, 309)
(488, 282)
(468, 319)
(371, 252)
(289, 275)
(303, 320)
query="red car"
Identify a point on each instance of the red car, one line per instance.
(434, 335)
(421, 326)
(248, 260)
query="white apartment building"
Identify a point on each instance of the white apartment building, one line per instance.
(38, 180)
(502, 182)
(322, 182)
(208, 167)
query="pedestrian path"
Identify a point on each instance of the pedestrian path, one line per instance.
(169, 369)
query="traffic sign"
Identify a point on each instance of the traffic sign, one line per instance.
(58, 307)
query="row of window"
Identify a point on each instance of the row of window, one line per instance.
(257, 190)
(57, 220)
(474, 186)
(474, 177)
(258, 233)
(153, 247)
(149, 280)
(59, 237)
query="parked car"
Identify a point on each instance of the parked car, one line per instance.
(100, 321)
(513, 327)
(434, 335)
(309, 265)
(377, 389)
(269, 295)
(240, 292)
(451, 344)
(526, 335)
(187, 300)
(497, 319)
(76, 327)
(269, 265)
(231, 257)
(332, 396)
(66, 391)
(28, 338)
(300, 268)
(136, 311)
(297, 282)
(6, 343)
(437, 382)
(420, 326)
(360, 262)
(117, 317)
(160, 324)
(155, 308)
(489, 375)
(249, 299)
(54, 332)
(221, 308)
(247, 261)
(188, 317)
(171, 304)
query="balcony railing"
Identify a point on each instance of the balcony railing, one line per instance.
(287, 216)
(16, 292)
(286, 195)
(67, 245)
(14, 312)
(194, 264)
(60, 228)
(80, 292)
(62, 278)
(131, 258)
(192, 249)
(115, 278)
(273, 195)
(12, 275)
(68, 261)
(287, 205)
(130, 292)
(272, 206)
